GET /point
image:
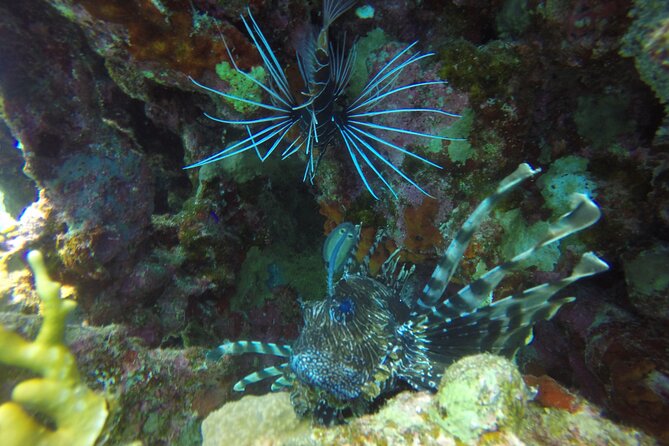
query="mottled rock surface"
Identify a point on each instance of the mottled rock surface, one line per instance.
(482, 400)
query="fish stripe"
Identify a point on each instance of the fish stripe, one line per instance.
(505, 325)
(364, 266)
(241, 347)
(260, 375)
(281, 383)
(447, 265)
(585, 213)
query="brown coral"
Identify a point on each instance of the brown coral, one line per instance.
(168, 37)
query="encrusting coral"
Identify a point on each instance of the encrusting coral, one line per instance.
(482, 400)
(77, 412)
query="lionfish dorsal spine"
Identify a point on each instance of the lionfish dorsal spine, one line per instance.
(333, 9)
(364, 265)
(389, 266)
(442, 274)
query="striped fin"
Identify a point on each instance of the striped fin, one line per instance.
(444, 271)
(281, 383)
(241, 347)
(505, 325)
(258, 376)
(584, 214)
(389, 266)
(364, 266)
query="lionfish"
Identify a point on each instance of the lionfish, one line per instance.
(323, 116)
(372, 335)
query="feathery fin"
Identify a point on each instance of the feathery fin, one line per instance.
(505, 325)
(584, 214)
(449, 262)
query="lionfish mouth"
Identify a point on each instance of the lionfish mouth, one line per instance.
(327, 116)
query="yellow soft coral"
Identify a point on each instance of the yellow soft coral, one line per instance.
(77, 412)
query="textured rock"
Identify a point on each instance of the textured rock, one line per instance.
(648, 282)
(481, 393)
(482, 401)
(253, 420)
(96, 95)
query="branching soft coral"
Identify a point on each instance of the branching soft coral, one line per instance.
(77, 412)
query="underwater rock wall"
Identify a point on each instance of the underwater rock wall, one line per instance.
(95, 98)
(482, 400)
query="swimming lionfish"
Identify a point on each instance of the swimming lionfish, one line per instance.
(371, 334)
(324, 116)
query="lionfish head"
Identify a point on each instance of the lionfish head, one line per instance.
(344, 339)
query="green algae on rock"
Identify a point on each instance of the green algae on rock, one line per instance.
(648, 282)
(480, 393)
(490, 405)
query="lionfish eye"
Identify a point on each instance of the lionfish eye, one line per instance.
(342, 310)
(346, 306)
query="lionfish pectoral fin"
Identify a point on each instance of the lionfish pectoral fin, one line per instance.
(584, 214)
(506, 325)
(267, 55)
(252, 378)
(281, 383)
(241, 347)
(449, 262)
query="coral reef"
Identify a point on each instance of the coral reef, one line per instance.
(156, 395)
(480, 394)
(647, 40)
(98, 117)
(648, 282)
(78, 413)
(612, 359)
(482, 400)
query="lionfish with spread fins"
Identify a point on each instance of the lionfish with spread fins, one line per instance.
(324, 116)
(371, 334)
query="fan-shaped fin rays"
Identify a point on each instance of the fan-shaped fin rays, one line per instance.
(316, 117)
